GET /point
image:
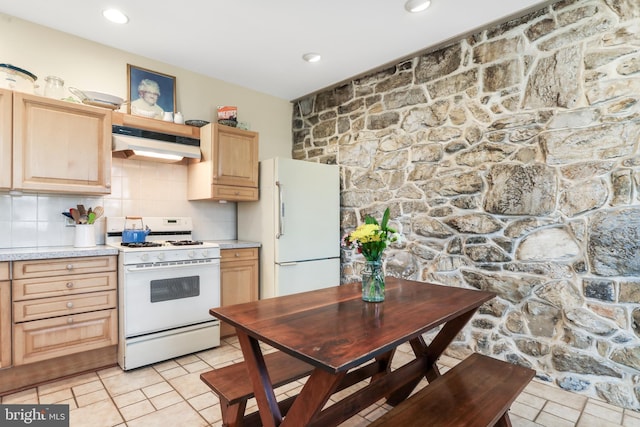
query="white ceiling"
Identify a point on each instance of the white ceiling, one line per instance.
(258, 44)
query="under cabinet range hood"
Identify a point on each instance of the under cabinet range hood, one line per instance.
(155, 146)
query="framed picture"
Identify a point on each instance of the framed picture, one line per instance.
(151, 93)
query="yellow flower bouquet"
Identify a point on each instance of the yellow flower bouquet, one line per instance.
(371, 238)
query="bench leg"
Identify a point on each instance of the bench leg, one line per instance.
(504, 420)
(232, 415)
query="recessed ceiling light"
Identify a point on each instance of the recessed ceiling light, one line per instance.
(415, 6)
(114, 15)
(311, 57)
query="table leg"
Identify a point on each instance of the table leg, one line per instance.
(440, 342)
(262, 387)
(314, 395)
(384, 362)
(504, 420)
(431, 353)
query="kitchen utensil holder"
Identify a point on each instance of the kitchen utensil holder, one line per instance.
(85, 236)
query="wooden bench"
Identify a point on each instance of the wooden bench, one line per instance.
(233, 386)
(476, 392)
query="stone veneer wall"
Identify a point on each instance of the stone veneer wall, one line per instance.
(510, 162)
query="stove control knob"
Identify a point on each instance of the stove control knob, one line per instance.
(144, 257)
(205, 253)
(161, 256)
(191, 254)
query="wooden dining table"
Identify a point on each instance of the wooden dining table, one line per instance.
(348, 341)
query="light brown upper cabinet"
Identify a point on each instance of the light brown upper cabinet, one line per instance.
(5, 138)
(228, 169)
(60, 147)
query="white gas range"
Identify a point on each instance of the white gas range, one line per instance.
(166, 287)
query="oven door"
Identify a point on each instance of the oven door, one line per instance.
(163, 296)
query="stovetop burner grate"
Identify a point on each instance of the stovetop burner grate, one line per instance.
(141, 244)
(184, 242)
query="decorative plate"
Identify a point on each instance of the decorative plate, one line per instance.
(196, 123)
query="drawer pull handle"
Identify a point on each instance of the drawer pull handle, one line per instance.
(69, 304)
(237, 254)
(70, 320)
(69, 266)
(69, 285)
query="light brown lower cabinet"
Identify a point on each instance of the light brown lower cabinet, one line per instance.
(5, 316)
(58, 317)
(63, 306)
(238, 280)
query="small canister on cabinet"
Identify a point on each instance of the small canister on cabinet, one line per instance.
(54, 87)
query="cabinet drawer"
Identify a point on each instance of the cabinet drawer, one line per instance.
(43, 308)
(4, 271)
(64, 285)
(61, 336)
(227, 192)
(229, 255)
(63, 266)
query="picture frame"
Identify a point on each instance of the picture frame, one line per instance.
(141, 85)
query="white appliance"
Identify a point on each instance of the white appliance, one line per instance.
(297, 221)
(166, 287)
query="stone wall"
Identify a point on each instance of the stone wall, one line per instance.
(510, 162)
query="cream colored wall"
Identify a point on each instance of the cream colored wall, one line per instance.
(91, 66)
(138, 187)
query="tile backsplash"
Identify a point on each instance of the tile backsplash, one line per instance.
(138, 188)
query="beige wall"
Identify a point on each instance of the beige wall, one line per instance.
(138, 187)
(92, 66)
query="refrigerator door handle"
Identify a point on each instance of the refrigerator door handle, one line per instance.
(280, 232)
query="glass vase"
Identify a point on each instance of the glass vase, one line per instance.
(373, 281)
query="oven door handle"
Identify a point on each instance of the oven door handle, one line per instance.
(134, 269)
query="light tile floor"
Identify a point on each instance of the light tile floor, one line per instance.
(171, 393)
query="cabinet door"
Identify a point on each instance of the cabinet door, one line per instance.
(237, 157)
(238, 280)
(60, 146)
(5, 322)
(5, 138)
(61, 336)
(228, 169)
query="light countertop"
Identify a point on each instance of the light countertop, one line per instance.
(50, 252)
(235, 244)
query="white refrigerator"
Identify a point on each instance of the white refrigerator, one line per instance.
(297, 222)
